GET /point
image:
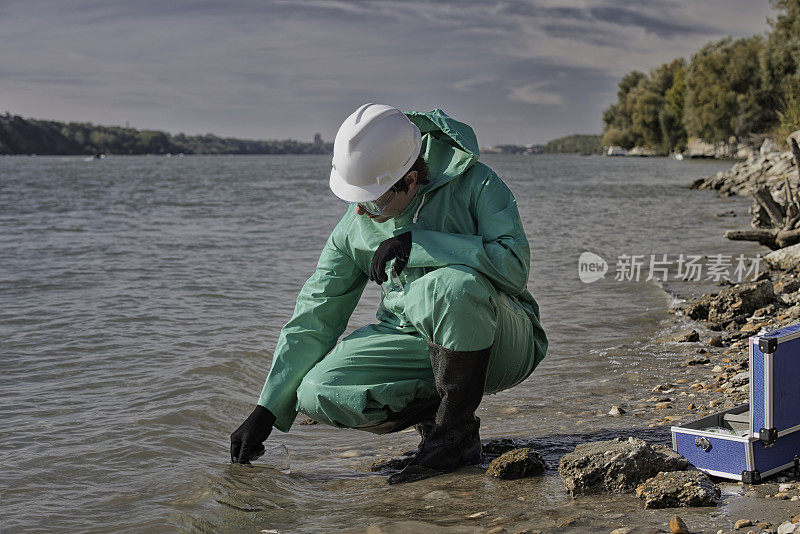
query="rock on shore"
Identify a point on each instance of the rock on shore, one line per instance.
(678, 488)
(734, 303)
(743, 178)
(615, 466)
(518, 463)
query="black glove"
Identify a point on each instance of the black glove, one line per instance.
(398, 247)
(247, 441)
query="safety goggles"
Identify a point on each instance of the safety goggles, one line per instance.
(374, 208)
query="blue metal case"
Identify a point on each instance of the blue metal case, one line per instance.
(755, 440)
(774, 388)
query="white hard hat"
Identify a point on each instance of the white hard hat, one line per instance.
(374, 148)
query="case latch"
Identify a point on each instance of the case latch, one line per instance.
(768, 436)
(768, 345)
(703, 443)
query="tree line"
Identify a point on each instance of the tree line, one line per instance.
(575, 144)
(729, 88)
(29, 136)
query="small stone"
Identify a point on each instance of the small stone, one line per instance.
(764, 525)
(677, 525)
(740, 379)
(616, 411)
(689, 337)
(663, 405)
(786, 487)
(517, 463)
(789, 528)
(691, 406)
(308, 422)
(351, 454)
(796, 519)
(717, 369)
(622, 530)
(697, 360)
(782, 496)
(742, 523)
(715, 341)
(496, 530)
(477, 515)
(795, 498)
(663, 388)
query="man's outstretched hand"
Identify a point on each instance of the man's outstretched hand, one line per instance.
(396, 248)
(247, 441)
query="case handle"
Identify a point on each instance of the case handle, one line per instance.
(703, 443)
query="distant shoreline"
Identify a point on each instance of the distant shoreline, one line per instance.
(21, 136)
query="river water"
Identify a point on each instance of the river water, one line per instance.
(140, 299)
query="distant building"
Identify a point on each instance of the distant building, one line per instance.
(317, 138)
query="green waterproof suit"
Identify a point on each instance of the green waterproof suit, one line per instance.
(464, 288)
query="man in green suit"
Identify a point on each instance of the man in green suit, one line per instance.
(442, 234)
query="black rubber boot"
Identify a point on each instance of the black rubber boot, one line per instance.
(453, 440)
(395, 465)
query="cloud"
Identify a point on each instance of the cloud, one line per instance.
(514, 69)
(534, 93)
(471, 83)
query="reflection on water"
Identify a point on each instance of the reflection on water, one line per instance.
(141, 298)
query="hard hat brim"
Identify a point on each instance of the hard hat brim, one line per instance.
(366, 193)
(357, 193)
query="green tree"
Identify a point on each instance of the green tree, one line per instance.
(618, 118)
(724, 93)
(670, 118)
(780, 58)
(638, 117)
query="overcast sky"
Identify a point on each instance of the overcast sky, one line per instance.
(517, 71)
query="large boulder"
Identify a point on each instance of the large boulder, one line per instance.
(785, 258)
(740, 301)
(615, 466)
(678, 488)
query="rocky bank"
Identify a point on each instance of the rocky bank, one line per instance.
(745, 177)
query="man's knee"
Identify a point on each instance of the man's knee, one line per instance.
(323, 397)
(313, 393)
(460, 287)
(454, 307)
